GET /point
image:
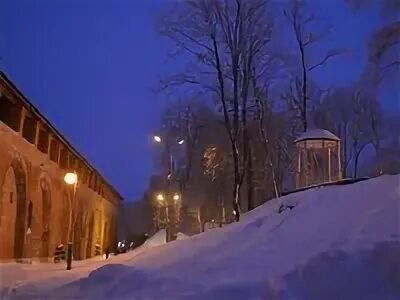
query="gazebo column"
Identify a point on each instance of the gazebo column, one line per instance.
(305, 163)
(299, 173)
(339, 161)
(329, 165)
(323, 162)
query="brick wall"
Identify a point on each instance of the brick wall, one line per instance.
(47, 231)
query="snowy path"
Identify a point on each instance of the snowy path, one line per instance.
(46, 276)
(29, 279)
(339, 242)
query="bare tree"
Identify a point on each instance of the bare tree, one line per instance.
(384, 44)
(338, 116)
(217, 34)
(358, 129)
(384, 47)
(261, 120)
(354, 114)
(256, 31)
(367, 123)
(215, 164)
(303, 22)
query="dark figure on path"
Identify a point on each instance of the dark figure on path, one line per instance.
(107, 252)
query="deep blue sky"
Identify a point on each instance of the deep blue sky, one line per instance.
(89, 68)
(89, 65)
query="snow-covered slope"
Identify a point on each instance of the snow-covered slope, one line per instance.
(160, 238)
(338, 242)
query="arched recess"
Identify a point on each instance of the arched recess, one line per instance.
(98, 225)
(46, 218)
(78, 234)
(105, 237)
(111, 233)
(8, 212)
(64, 219)
(89, 245)
(21, 208)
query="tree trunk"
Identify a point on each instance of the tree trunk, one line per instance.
(232, 135)
(356, 160)
(249, 180)
(345, 156)
(355, 166)
(236, 184)
(263, 135)
(378, 157)
(304, 87)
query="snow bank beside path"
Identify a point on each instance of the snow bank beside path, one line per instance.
(332, 237)
(181, 236)
(32, 279)
(158, 239)
(11, 275)
(372, 273)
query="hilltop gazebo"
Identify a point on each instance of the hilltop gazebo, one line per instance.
(318, 158)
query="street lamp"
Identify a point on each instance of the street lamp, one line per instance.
(70, 178)
(167, 144)
(160, 197)
(157, 139)
(162, 204)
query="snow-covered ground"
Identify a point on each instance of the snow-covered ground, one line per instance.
(338, 242)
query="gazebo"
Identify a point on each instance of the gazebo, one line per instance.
(318, 158)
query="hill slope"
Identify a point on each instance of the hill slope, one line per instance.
(338, 242)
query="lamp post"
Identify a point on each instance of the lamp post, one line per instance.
(176, 197)
(161, 201)
(71, 179)
(166, 142)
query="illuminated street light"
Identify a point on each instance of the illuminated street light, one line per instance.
(168, 143)
(157, 139)
(160, 197)
(71, 178)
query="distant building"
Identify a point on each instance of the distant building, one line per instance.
(34, 200)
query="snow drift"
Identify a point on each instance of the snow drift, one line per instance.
(158, 239)
(337, 242)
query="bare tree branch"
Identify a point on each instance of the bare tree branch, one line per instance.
(330, 55)
(395, 63)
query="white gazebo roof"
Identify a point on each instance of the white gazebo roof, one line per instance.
(317, 134)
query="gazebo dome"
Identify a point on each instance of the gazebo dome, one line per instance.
(317, 134)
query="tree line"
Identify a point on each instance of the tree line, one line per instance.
(242, 98)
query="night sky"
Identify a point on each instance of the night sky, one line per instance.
(90, 66)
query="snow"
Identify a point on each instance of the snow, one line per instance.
(33, 277)
(338, 242)
(157, 239)
(316, 134)
(181, 236)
